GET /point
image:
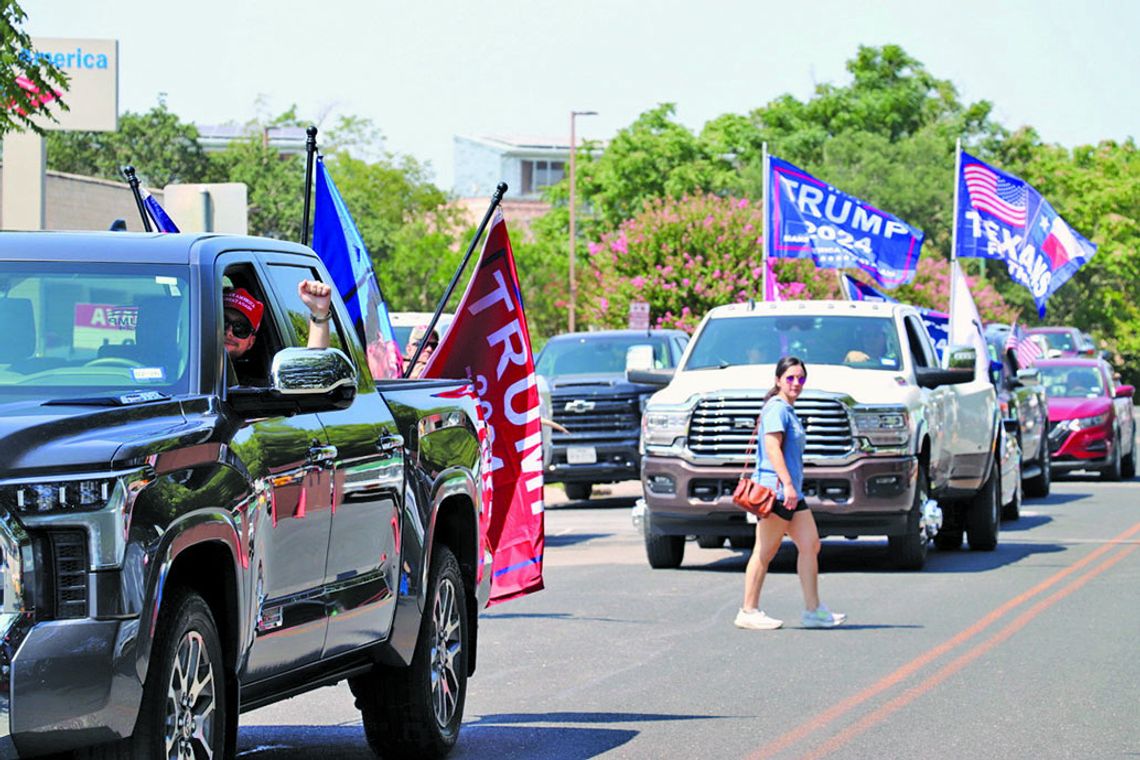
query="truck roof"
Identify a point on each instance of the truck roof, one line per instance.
(603, 334)
(133, 247)
(813, 308)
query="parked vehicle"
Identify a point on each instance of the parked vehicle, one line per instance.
(1021, 397)
(184, 537)
(598, 405)
(1091, 425)
(1062, 342)
(887, 435)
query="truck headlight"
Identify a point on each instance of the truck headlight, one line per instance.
(661, 427)
(60, 496)
(883, 427)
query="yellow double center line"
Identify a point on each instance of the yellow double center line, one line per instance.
(837, 711)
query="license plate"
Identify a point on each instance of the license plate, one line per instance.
(581, 455)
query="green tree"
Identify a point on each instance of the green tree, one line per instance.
(162, 148)
(24, 79)
(275, 184)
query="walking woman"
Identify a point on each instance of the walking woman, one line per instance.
(780, 466)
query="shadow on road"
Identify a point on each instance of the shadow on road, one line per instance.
(1025, 522)
(1055, 500)
(297, 742)
(597, 502)
(569, 539)
(567, 616)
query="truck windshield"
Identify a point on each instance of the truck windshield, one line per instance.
(596, 355)
(79, 329)
(864, 342)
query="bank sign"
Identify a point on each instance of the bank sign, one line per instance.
(92, 94)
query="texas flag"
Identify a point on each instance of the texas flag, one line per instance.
(1063, 245)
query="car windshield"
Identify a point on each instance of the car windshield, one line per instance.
(864, 342)
(1060, 341)
(1072, 382)
(79, 329)
(596, 355)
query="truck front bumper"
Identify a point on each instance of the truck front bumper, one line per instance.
(871, 496)
(67, 684)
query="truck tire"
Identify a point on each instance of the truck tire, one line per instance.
(578, 491)
(183, 712)
(1039, 485)
(664, 552)
(1012, 511)
(417, 711)
(742, 542)
(908, 551)
(983, 516)
(1114, 470)
(710, 542)
(1128, 464)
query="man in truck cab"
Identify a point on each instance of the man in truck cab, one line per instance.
(876, 346)
(243, 314)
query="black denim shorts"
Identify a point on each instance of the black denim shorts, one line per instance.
(786, 514)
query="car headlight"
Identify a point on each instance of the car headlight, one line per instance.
(662, 427)
(1081, 423)
(883, 427)
(60, 496)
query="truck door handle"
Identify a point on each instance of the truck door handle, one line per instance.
(387, 444)
(322, 455)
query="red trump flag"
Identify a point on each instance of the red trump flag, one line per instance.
(488, 343)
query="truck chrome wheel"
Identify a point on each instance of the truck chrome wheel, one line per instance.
(447, 643)
(190, 701)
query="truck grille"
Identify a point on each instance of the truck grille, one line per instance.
(722, 427)
(586, 415)
(69, 558)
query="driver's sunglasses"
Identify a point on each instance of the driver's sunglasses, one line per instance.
(240, 327)
(797, 379)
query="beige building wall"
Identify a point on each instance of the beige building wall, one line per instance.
(74, 202)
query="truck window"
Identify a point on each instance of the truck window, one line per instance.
(865, 342)
(919, 341)
(249, 363)
(596, 355)
(286, 278)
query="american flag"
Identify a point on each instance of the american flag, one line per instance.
(1024, 347)
(1005, 199)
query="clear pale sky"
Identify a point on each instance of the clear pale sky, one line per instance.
(427, 70)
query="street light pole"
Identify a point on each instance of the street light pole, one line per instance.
(573, 206)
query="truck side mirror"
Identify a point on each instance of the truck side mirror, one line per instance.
(301, 380)
(639, 357)
(1029, 376)
(1125, 391)
(656, 377)
(962, 357)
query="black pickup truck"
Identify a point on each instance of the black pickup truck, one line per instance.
(184, 538)
(597, 406)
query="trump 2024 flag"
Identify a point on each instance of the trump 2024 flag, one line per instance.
(1001, 216)
(489, 344)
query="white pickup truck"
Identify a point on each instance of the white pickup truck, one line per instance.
(897, 446)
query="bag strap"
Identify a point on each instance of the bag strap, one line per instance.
(752, 440)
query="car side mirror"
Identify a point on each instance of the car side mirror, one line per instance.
(656, 377)
(1125, 391)
(638, 357)
(301, 380)
(1029, 376)
(933, 377)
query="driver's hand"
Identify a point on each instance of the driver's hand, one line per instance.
(856, 356)
(316, 295)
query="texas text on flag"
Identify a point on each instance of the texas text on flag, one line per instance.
(489, 343)
(808, 218)
(936, 322)
(337, 241)
(1000, 216)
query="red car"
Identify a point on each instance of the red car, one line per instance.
(1063, 342)
(1090, 418)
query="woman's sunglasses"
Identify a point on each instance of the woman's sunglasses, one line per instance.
(798, 380)
(240, 327)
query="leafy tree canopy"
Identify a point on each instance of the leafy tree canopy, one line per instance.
(23, 81)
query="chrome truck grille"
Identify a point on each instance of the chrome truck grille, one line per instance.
(586, 414)
(722, 427)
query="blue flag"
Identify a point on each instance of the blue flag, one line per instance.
(808, 218)
(937, 322)
(161, 219)
(1001, 216)
(337, 241)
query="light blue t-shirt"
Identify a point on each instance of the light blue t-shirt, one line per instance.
(778, 416)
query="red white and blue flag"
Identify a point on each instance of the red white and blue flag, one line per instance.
(489, 344)
(1001, 216)
(1024, 348)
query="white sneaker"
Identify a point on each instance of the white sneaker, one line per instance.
(822, 617)
(756, 620)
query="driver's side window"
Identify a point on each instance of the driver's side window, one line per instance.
(249, 333)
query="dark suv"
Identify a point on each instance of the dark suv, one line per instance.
(593, 399)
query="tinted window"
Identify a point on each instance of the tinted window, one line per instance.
(1060, 341)
(582, 355)
(865, 342)
(286, 279)
(1072, 382)
(82, 329)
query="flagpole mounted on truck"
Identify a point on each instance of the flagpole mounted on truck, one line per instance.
(133, 181)
(310, 153)
(496, 199)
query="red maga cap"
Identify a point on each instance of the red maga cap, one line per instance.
(250, 307)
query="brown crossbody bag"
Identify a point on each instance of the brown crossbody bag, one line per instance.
(750, 495)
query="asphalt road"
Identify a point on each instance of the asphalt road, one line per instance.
(1028, 651)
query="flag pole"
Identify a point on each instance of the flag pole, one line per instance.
(496, 199)
(133, 181)
(767, 225)
(310, 152)
(954, 224)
